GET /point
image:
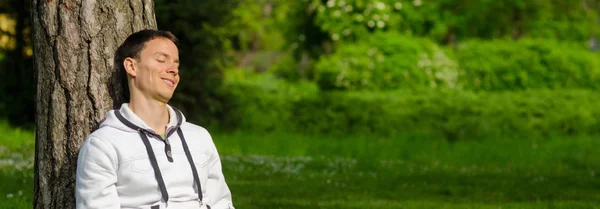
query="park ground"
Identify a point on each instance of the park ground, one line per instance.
(293, 171)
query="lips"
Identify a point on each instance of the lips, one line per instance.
(169, 82)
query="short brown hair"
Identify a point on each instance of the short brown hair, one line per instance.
(132, 47)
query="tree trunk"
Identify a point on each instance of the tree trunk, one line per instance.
(74, 43)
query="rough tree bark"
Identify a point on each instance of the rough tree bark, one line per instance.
(73, 43)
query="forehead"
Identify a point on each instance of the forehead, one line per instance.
(160, 46)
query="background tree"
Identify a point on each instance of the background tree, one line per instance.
(15, 63)
(73, 46)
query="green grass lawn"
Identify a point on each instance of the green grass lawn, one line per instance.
(294, 171)
(16, 167)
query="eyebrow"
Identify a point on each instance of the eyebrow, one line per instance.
(166, 55)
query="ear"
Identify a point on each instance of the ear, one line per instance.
(130, 65)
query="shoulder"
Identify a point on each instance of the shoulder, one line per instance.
(195, 130)
(97, 147)
(198, 136)
(107, 138)
(107, 134)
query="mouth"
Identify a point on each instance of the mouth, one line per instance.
(169, 82)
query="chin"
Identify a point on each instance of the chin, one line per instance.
(165, 98)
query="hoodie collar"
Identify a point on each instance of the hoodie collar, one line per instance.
(175, 119)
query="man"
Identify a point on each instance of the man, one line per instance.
(145, 154)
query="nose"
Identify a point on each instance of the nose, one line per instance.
(173, 69)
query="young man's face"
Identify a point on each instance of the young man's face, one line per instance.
(157, 70)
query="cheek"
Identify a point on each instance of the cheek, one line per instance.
(150, 77)
(155, 73)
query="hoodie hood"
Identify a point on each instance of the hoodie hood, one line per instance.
(112, 121)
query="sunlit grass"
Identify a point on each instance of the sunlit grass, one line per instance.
(293, 171)
(16, 167)
(283, 170)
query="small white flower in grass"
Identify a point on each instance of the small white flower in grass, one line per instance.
(417, 3)
(348, 8)
(330, 3)
(375, 17)
(9, 195)
(341, 3)
(346, 32)
(335, 37)
(398, 5)
(337, 13)
(20, 193)
(380, 24)
(321, 9)
(371, 23)
(359, 18)
(380, 5)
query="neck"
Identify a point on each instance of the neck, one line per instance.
(154, 113)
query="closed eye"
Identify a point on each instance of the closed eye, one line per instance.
(163, 58)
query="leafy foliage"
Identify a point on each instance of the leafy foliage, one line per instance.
(265, 104)
(388, 61)
(450, 20)
(527, 64)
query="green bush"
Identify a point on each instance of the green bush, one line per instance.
(262, 103)
(452, 114)
(508, 65)
(387, 61)
(292, 70)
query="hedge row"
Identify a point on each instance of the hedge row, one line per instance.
(264, 104)
(390, 61)
(453, 115)
(527, 64)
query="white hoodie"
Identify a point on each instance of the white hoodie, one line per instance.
(114, 169)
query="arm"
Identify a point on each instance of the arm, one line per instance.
(218, 193)
(96, 176)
